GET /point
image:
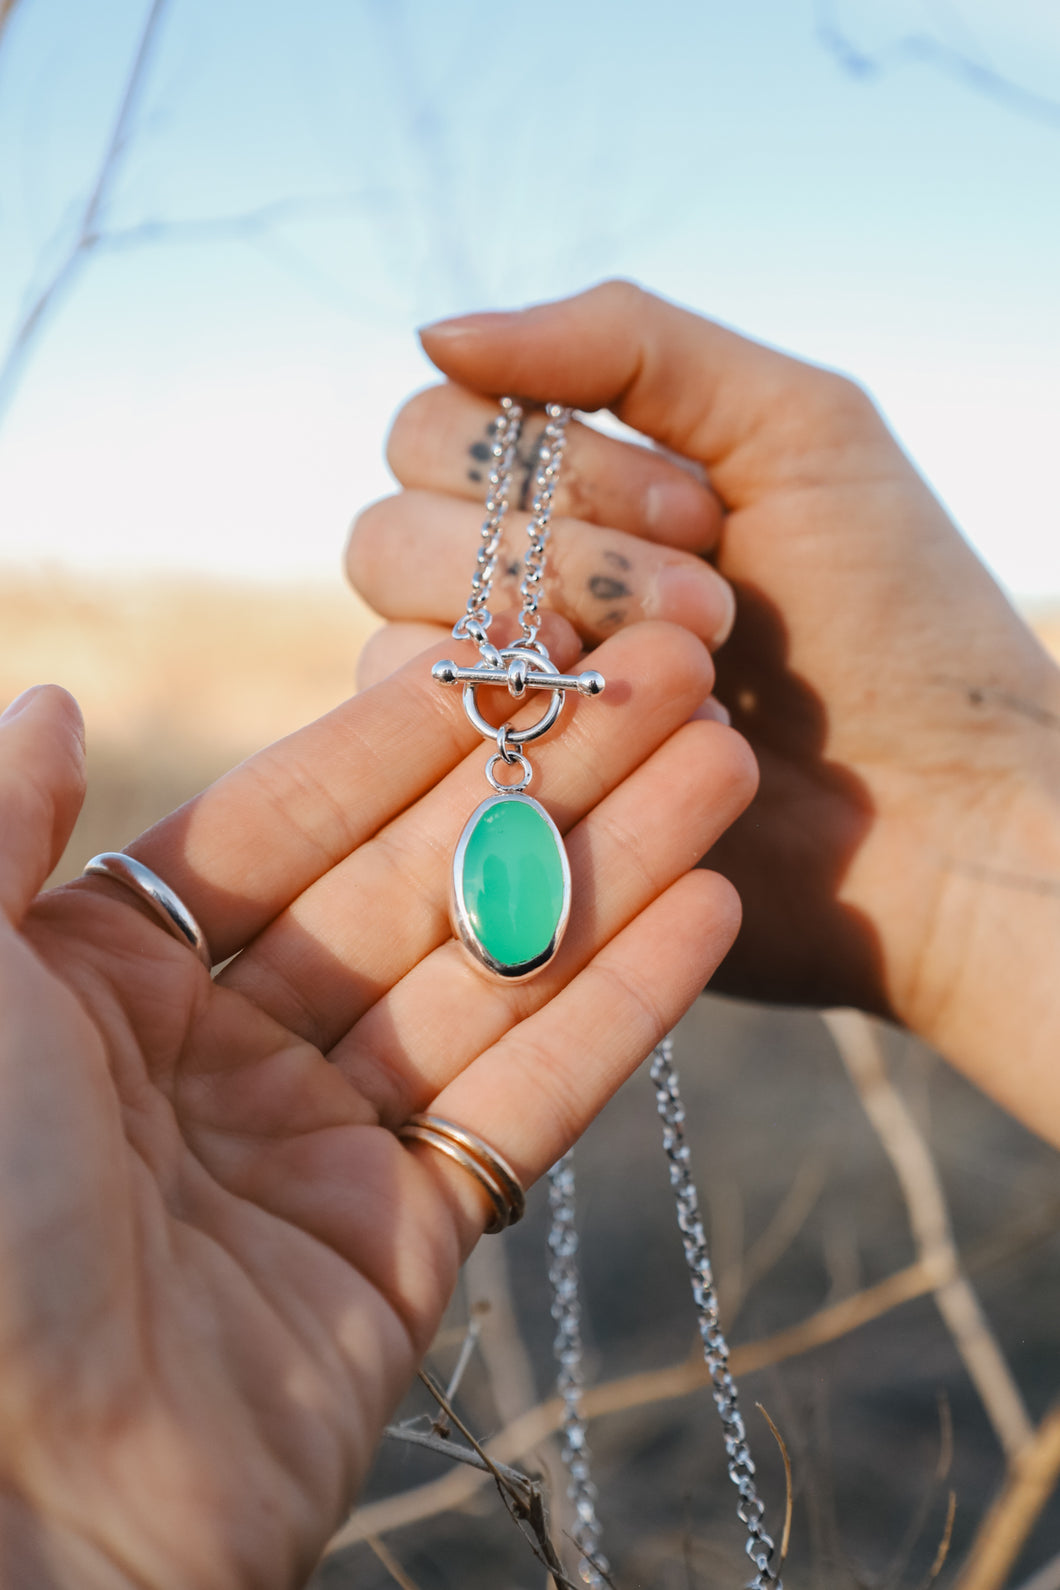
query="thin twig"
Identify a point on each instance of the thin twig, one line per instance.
(526, 1433)
(922, 46)
(488, 1463)
(460, 1454)
(902, 1141)
(1032, 1475)
(896, 1571)
(467, 1348)
(786, 1222)
(509, 1368)
(944, 1544)
(528, 1512)
(87, 233)
(635, 1391)
(390, 1563)
(785, 1535)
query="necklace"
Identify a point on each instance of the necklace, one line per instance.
(511, 891)
(510, 900)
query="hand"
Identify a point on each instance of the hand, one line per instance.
(902, 853)
(219, 1266)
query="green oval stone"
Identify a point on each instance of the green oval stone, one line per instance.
(514, 881)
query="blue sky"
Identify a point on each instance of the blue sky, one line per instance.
(216, 397)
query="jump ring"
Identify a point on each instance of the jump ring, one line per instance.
(166, 904)
(504, 747)
(509, 789)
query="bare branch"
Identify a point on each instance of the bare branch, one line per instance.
(786, 1222)
(507, 1360)
(509, 1368)
(1033, 1473)
(86, 235)
(785, 1536)
(635, 1391)
(926, 47)
(467, 1348)
(459, 1454)
(391, 1564)
(529, 1513)
(896, 1572)
(904, 1145)
(944, 1544)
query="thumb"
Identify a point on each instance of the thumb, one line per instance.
(750, 414)
(42, 786)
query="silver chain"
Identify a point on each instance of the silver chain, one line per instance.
(504, 452)
(549, 458)
(563, 1233)
(751, 1510)
(567, 1346)
(566, 1311)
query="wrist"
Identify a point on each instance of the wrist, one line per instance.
(986, 995)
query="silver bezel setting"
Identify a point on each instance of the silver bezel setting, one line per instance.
(461, 920)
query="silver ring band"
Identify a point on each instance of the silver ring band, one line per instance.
(493, 1174)
(167, 906)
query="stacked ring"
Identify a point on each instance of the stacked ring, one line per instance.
(493, 1174)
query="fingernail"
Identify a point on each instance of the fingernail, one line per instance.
(693, 595)
(21, 702)
(712, 711)
(463, 325)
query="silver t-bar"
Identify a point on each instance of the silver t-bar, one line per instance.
(519, 677)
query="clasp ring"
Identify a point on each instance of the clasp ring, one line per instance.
(536, 663)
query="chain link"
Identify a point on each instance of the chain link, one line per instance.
(750, 1510)
(567, 1346)
(549, 459)
(504, 452)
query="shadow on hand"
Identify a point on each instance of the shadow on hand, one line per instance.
(788, 855)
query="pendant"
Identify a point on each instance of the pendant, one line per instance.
(511, 888)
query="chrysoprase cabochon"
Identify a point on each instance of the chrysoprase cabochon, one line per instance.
(511, 886)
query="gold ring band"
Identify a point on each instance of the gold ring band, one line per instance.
(493, 1174)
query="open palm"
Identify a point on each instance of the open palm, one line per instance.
(218, 1264)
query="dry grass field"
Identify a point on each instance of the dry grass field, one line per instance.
(902, 1325)
(178, 680)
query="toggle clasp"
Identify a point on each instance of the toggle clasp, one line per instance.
(522, 668)
(519, 675)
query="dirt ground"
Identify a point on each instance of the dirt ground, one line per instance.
(882, 1419)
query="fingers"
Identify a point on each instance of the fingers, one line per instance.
(42, 785)
(410, 557)
(240, 852)
(391, 646)
(753, 416)
(441, 442)
(540, 1085)
(361, 928)
(627, 851)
